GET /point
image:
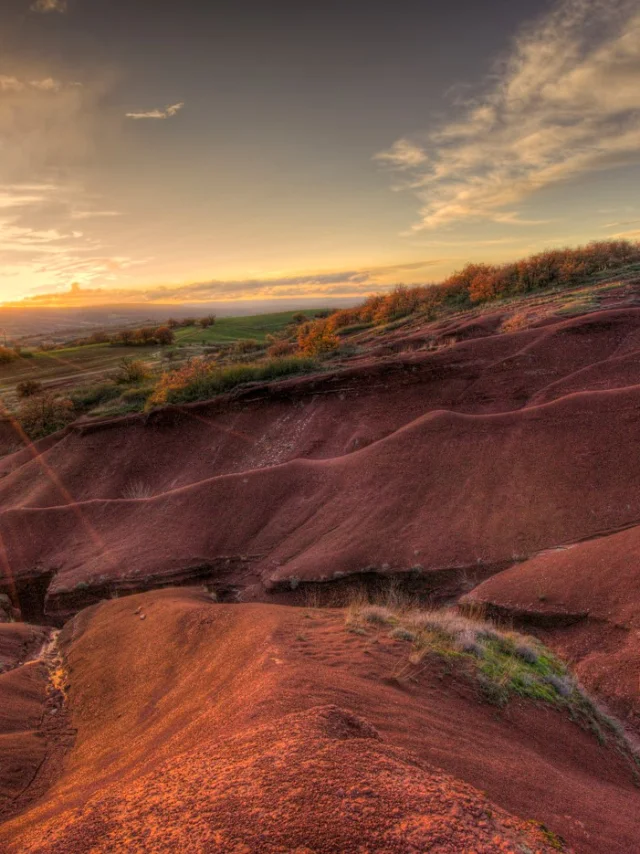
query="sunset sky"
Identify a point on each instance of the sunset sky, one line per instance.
(193, 151)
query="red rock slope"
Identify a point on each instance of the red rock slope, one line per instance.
(256, 728)
(462, 460)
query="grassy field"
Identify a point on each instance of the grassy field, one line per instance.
(226, 330)
(71, 367)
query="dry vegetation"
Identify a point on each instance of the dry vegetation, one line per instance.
(181, 372)
(503, 664)
(8, 354)
(321, 337)
(199, 380)
(476, 284)
(42, 414)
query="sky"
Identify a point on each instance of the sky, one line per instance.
(201, 151)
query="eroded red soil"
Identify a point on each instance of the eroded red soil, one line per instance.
(505, 457)
(463, 459)
(218, 728)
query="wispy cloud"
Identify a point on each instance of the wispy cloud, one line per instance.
(354, 283)
(13, 198)
(98, 214)
(167, 113)
(9, 83)
(53, 224)
(565, 103)
(49, 6)
(403, 154)
(55, 250)
(626, 235)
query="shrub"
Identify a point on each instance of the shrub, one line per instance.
(344, 317)
(44, 414)
(144, 336)
(526, 653)
(132, 371)
(467, 640)
(474, 284)
(89, 396)
(7, 354)
(376, 614)
(207, 321)
(126, 337)
(317, 339)
(247, 345)
(137, 395)
(562, 685)
(29, 388)
(164, 335)
(403, 634)
(281, 348)
(198, 380)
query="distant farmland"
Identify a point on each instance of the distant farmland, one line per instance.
(81, 365)
(229, 329)
(69, 366)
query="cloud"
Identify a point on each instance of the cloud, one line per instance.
(621, 223)
(48, 84)
(50, 123)
(355, 283)
(89, 214)
(10, 84)
(49, 6)
(564, 103)
(167, 113)
(19, 197)
(403, 154)
(626, 235)
(40, 244)
(52, 132)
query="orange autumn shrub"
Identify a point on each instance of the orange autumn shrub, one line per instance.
(317, 338)
(474, 284)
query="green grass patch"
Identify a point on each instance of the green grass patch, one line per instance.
(88, 397)
(502, 664)
(227, 330)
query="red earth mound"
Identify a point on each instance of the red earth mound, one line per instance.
(432, 463)
(586, 599)
(261, 728)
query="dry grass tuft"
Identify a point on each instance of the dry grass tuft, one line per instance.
(137, 489)
(501, 662)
